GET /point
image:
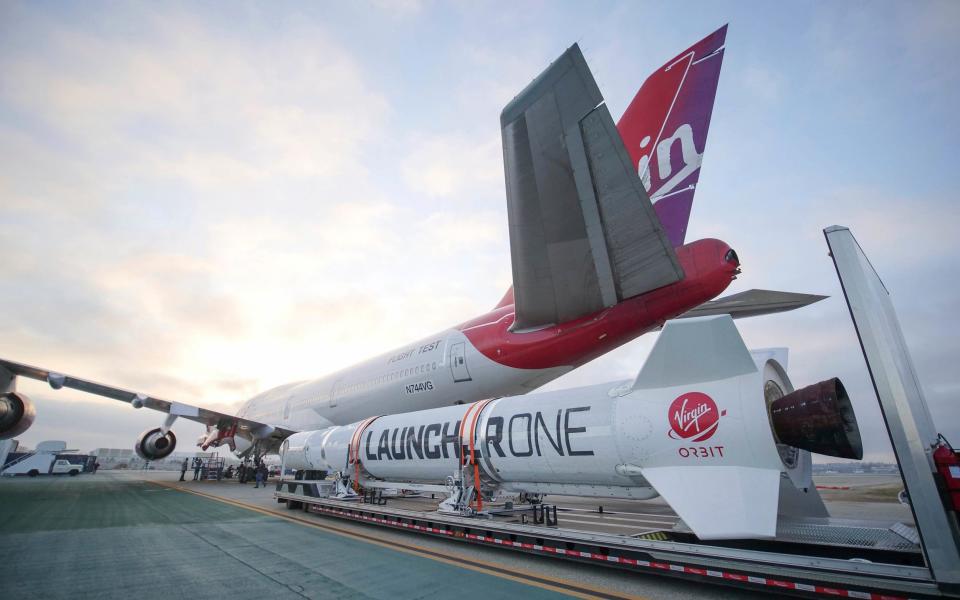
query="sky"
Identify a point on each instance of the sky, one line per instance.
(203, 200)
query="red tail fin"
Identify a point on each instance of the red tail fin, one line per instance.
(674, 105)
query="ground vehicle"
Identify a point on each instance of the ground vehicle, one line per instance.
(42, 462)
(62, 466)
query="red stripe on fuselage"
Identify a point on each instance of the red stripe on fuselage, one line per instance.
(707, 273)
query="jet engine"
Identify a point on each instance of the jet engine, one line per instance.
(16, 414)
(153, 444)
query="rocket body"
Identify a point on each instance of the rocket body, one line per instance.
(561, 442)
(693, 427)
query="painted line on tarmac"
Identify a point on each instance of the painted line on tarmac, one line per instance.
(567, 587)
(619, 526)
(595, 518)
(616, 512)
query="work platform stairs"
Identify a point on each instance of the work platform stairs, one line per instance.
(17, 460)
(212, 468)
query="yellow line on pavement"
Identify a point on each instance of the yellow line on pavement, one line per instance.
(563, 586)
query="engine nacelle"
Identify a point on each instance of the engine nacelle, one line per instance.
(16, 414)
(154, 445)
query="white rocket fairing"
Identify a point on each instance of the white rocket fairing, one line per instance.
(693, 427)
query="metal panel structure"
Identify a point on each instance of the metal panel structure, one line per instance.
(583, 233)
(904, 408)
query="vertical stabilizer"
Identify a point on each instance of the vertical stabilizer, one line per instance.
(665, 129)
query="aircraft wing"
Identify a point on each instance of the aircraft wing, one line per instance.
(208, 417)
(583, 233)
(753, 303)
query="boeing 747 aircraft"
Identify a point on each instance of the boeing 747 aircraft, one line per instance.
(597, 214)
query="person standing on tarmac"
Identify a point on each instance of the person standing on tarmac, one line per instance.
(183, 469)
(261, 475)
(197, 463)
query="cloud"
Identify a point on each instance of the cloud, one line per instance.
(123, 156)
(445, 166)
(762, 83)
(398, 8)
(900, 40)
(195, 105)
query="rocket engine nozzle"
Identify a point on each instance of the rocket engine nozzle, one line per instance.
(818, 418)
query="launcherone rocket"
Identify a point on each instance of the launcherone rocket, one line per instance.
(717, 430)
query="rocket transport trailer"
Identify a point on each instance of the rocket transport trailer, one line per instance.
(717, 431)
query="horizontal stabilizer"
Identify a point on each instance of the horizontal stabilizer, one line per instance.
(583, 233)
(753, 303)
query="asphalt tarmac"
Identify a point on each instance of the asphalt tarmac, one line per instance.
(146, 535)
(109, 536)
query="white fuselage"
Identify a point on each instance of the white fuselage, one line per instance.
(441, 370)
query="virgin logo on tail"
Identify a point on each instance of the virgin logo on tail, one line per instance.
(690, 159)
(665, 129)
(693, 415)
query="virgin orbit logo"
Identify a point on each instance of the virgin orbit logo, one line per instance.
(693, 416)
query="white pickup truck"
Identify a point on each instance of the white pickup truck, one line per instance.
(61, 466)
(43, 464)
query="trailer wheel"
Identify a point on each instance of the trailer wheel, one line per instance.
(293, 504)
(33, 472)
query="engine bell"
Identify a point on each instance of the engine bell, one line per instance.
(818, 418)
